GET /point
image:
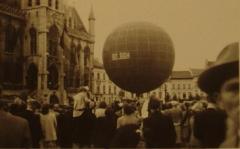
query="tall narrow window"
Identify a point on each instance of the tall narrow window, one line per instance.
(70, 22)
(50, 3)
(53, 36)
(178, 86)
(115, 90)
(38, 2)
(10, 38)
(98, 76)
(29, 3)
(103, 76)
(110, 90)
(104, 89)
(33, 40)
(56, 4)
(98, 89)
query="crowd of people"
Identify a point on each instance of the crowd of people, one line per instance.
(207, 123)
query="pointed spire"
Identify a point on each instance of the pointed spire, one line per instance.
(91, 15)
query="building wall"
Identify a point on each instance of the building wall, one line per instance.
(177, 87)
(11, 49)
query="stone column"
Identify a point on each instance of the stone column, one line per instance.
(42, 49)
(61, 77)
(81, 65)
(91, 59)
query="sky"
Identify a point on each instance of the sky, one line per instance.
(200, 29)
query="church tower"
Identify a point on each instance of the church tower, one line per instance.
(91, 31)
(91, 20)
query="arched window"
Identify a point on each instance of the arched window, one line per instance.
(56, 4)
(10, 38)
(32, 77)
(98, 89)
(70, 22)
(160, 94)
(29, 3)
(79, 48)
(52, 77)
(67, 74)
(50, 3)
(104, 76)
(38, 2)
(184, 96)
(98, 76)
(109, 89)
(115, 90)
(77, 84)
(33, 40)
(104, 89)
(86, 56)
(73, 60)
(53, 37)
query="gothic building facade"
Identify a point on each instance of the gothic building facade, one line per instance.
(44, 48)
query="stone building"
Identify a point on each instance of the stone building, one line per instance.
(44, 48)
(181, 85)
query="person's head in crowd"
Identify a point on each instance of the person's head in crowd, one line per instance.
(128, 109)
(198, 107)
(83, 89)
(154, 105)
(54, 92)
(222, 78)
(117, 108)
(127, 136)
(102, 105)
(56, 107)
(109, 112)
(0, 90)
(213, 98)
(70, 100)
(24, 96)
(30, 105)
(3, 104)
(45, 109)
(230, 95)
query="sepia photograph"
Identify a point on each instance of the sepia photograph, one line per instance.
(111, 74)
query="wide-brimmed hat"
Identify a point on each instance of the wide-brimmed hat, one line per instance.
(225, 67)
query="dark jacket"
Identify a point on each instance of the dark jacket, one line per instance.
(126, 137)
(14, 131)
(104, 131)
(35, 127)
(83, 128)
(65, 129)
(210, 128)
(158, 131)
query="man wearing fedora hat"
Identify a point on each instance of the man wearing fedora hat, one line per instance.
(221, 81)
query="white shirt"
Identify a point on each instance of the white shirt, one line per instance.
(49, 126)
(144, 110)
(79, 103)
(100, 112)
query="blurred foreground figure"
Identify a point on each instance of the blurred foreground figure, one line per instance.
(222, 79)
(83, 119)
(158, 129)
(34, 123)
(49, 125)
(14, 130)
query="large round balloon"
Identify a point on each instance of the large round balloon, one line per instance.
(138, 57)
